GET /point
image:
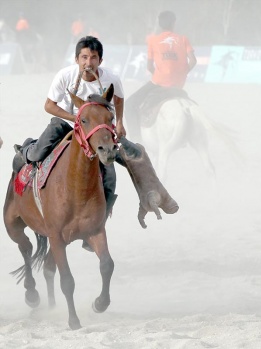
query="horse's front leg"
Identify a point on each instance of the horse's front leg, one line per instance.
(66, 280)
(99, 245)
(49, 270)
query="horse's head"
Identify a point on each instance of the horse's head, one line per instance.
(93, 126)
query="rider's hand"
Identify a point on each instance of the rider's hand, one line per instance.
(120, 130)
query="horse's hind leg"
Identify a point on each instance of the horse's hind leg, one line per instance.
(199, 141)
(163, 157)
(99, 245)
(49, 270)
(15, 229)
(173, 141)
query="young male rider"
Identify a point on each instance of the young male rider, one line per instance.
(88, 55)
(170, 58)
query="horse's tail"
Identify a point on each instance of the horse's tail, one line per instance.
(36, 261)
(221, 131)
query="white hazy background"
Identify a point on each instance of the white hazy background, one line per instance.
(192, 280)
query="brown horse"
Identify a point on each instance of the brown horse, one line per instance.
(73, 207)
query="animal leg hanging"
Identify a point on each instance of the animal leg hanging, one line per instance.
(151, 192)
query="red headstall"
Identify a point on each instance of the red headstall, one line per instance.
(80, 136)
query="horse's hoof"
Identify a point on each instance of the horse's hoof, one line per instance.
(142, 222)
(75, 324)
(32, 298)
(98, 307)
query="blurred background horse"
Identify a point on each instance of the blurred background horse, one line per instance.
(177, 123)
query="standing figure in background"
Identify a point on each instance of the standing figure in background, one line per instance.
(170, 59)
(23, 34)
(6, 33)
(31, 43)
(22, 24)
(77, 29)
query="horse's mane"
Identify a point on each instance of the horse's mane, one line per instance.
(99, 99)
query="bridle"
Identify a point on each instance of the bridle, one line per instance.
(83, 139)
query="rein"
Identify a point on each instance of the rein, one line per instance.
(78, 81)
(82, 139)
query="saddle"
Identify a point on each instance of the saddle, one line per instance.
(27, 172)
(149, 109)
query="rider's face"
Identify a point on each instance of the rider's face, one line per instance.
(88, 59)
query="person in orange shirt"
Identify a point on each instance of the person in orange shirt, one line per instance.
(24, 34)
(170, 57)
(77, 29)
(22, 23)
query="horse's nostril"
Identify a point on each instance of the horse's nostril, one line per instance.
(100, 148)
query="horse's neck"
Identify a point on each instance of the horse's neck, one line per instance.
(83, 172)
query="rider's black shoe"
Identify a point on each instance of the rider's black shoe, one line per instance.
(18, 162)
(24, 149)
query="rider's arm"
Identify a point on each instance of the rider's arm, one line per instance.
(119, 106)
(150, 66)
(192, 60)
(51, 107)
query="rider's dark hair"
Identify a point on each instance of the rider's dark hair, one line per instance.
(89, 42)
(167, 20)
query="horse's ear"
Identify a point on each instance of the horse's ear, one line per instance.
(78, 102)
(108, 94)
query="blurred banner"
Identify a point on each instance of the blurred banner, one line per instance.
(198, 73)
(129, 62)
(70, 55)
(11, 59)
(216, 64)
(234, 64)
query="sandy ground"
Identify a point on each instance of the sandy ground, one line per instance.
(192, 280)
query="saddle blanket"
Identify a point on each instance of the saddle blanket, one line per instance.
(151, 105)
(28, 171)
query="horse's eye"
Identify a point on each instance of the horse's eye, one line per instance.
(83, 121)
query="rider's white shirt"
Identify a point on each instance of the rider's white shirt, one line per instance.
(66, 79)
